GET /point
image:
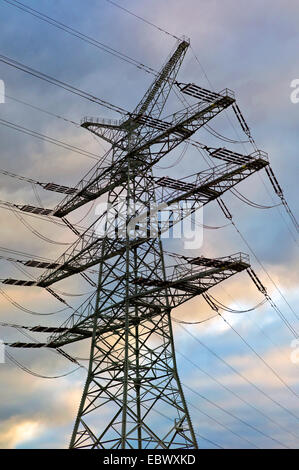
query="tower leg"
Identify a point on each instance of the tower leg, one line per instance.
(138, 406)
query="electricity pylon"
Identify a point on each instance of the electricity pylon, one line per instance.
(133, 397)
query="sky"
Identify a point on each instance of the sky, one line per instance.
(234, 397)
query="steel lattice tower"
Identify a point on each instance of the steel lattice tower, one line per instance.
(132, 365)
(133, 397)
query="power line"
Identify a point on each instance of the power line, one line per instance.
(178, 160)
(272, 178)
(220, 424)
(49, 113)
(230, 310)
(243, 400)
(27, 310)
(239, 373)
(247, 201)
(35, 374)
(222, 307)
(193, 322)
(45, 218)
(228, 215)
(278, 210)
(142, 19)
(275, 184)
(36, 232)
(79, 35)
(232, 415)
(260, 357)
(202, 68)
(277, 188)
(219, 136)
(265, 271)
(263, 290)
(59, 83)
(214, 307)
(22, 253)
(37, 108)
(251, 140)
(46, 138)
(208, 440)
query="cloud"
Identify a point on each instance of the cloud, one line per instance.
(37, 408)
(16, 431)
